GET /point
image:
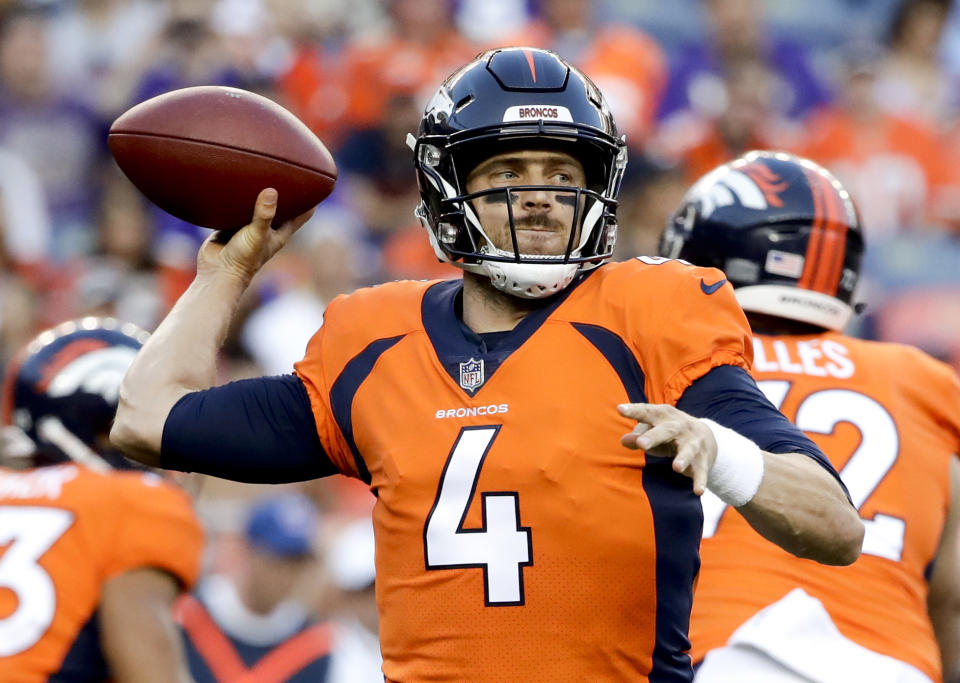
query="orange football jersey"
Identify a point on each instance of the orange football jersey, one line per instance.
(888, 417)
(64, 531)
(516, 538)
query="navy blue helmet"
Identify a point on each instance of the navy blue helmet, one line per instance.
(61, 390)
(784, 231)
(506, 99)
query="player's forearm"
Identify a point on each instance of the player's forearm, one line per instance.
(180, 357)
(801, 508)
(140, 641)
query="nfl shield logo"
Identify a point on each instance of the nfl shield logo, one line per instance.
(471, 374)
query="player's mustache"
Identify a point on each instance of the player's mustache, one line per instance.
(539, 220)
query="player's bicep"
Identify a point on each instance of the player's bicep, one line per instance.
(257, 430)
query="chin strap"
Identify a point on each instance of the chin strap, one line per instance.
(530, 280)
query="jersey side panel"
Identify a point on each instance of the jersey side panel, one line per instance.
(882, 413)
(365, 321)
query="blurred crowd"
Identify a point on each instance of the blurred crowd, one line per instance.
(868, 88)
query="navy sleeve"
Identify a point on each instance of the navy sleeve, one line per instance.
(729, 396)
(256, 430)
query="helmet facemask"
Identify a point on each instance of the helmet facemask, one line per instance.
(459, 236)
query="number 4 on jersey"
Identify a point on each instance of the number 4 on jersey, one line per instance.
(501, 547)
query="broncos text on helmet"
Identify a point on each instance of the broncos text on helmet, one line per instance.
(784, 231)
(509, 99)
(61, 389)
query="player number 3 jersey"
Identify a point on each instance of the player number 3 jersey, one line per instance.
(65, 531)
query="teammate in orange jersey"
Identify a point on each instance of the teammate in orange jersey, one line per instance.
(91, 558)
(789, 239)
(517, 538)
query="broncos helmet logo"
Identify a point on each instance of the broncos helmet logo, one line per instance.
(96, 372)
(752, 185)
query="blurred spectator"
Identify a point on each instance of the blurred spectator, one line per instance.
(97, 46)
(915, 284)
(745, 119)
(911, 82)
(252, 626)
(20, 315)
(653, 193)
(24, 219)
(950, 200)
(294, 291)
(375, 163)
(356, 645)
(736, 30)
(422, 46)
(123, 278)
(375, 177)
(950, 45)
(627, 65)
(188, 53)
(894, 166)
(120, 277)
(378, 186)
(491, 22)
(57, 136)
(315, 81)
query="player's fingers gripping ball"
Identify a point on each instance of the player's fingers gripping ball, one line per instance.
(245, 251)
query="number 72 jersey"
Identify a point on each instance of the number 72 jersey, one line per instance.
(888, 417)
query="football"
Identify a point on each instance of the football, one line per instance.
(203, 154)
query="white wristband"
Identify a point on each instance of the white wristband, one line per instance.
(738, 470)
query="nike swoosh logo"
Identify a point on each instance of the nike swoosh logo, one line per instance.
(710, 289)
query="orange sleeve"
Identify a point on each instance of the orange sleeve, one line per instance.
(312, 371)
(158, 529)
(689, 323)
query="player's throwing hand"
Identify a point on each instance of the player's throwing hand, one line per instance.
(243, 253)
(665, 431)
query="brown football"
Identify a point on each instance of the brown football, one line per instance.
(204, 153)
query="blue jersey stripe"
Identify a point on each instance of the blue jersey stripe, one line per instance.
(345, 388)
(677, 521)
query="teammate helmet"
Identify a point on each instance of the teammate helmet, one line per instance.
(61, 390)
(782, 228)
(517, 98)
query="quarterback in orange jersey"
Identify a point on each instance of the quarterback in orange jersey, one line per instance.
(91, 558)
(521, 532)
(789, 239)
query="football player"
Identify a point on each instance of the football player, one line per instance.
(91, 556)
(789, 239)
(517, 538)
